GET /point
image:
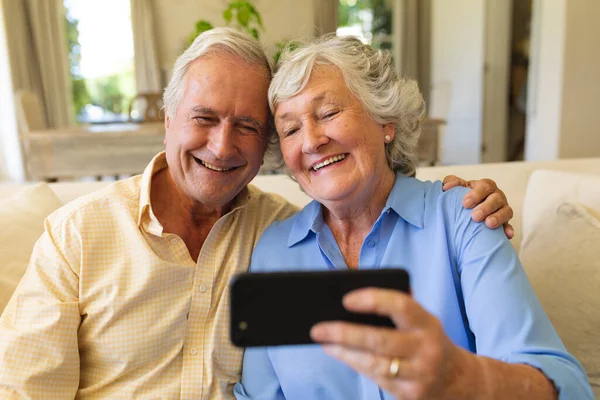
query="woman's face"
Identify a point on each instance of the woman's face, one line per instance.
(334, 148)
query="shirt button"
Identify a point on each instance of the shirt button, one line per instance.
(371, 243)
(193, 351)
(202, 288)
(387, 211)
(174, 241)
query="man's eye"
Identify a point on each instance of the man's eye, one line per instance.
(249, 129)
(203, 120)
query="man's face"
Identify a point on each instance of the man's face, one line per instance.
(216, 141)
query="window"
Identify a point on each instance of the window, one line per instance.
(370, 20)
(100, 41)
(373, 22)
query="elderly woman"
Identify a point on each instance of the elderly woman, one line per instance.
(472, 328)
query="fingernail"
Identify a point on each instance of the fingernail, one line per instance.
(478, 215)
(493, 221)
(469, 203)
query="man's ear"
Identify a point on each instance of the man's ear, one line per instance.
(167, 126)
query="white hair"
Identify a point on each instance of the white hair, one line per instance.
(369, 74)
(217, 40)
(228, 41)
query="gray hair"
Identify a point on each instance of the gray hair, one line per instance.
(369, 74)
(218, 40)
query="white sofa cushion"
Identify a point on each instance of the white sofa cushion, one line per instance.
(547, 189)
(22, 221)
(562, 261)
(561, 235)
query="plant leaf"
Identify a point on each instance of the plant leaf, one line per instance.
(227, 14)
(243, 16)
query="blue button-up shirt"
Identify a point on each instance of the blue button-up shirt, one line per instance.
(465, 274)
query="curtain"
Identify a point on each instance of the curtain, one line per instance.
(415, 45)
(325, 16)
(38, 55)
(147, 70)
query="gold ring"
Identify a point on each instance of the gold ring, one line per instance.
(394, 367)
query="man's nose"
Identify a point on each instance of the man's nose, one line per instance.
(313, 138)
(222, 142)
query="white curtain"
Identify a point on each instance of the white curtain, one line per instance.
(415, 43)
(325, 16)
(38, 55)
(147, 70)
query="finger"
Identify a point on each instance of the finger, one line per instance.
(481, 189)
(451, 181)
(375, 366)
(500, 217)
(404, 311)
(379, 340)
(509, 231)
(489, 207)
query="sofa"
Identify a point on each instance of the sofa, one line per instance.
(557, 235)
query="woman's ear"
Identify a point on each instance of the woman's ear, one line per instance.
(389, 131)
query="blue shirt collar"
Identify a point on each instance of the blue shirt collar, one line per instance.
(407, 199)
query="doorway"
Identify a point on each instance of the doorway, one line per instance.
(519, 71)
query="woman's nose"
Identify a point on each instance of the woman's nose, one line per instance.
(313, 138)
(222, 142)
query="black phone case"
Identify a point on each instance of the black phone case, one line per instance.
(280, 308)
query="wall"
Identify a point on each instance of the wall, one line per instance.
(544, 90)
(175, 20)
(580, 122)
(564, 83)
(457, 57)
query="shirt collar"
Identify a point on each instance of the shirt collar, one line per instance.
(158, 163)
(146, 217)
(407, 199)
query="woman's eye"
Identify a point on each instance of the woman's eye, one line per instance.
(330, 114)
(290, 131)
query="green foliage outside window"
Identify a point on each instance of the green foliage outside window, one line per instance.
(348, 15)
(81, 96)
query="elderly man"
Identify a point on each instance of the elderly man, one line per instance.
(125, 295)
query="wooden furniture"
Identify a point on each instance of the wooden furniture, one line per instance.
(95, 150)
(146, 107)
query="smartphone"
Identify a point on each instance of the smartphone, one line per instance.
(280, 308)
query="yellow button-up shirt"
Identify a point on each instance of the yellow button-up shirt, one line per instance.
(113, 307)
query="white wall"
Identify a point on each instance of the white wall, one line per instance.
(564, 121)
(580, 122)
(175, 20)
(544, 90)
(457, 57)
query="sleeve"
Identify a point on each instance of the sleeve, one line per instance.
(39, 355)
(504, 314)
(259, 380)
